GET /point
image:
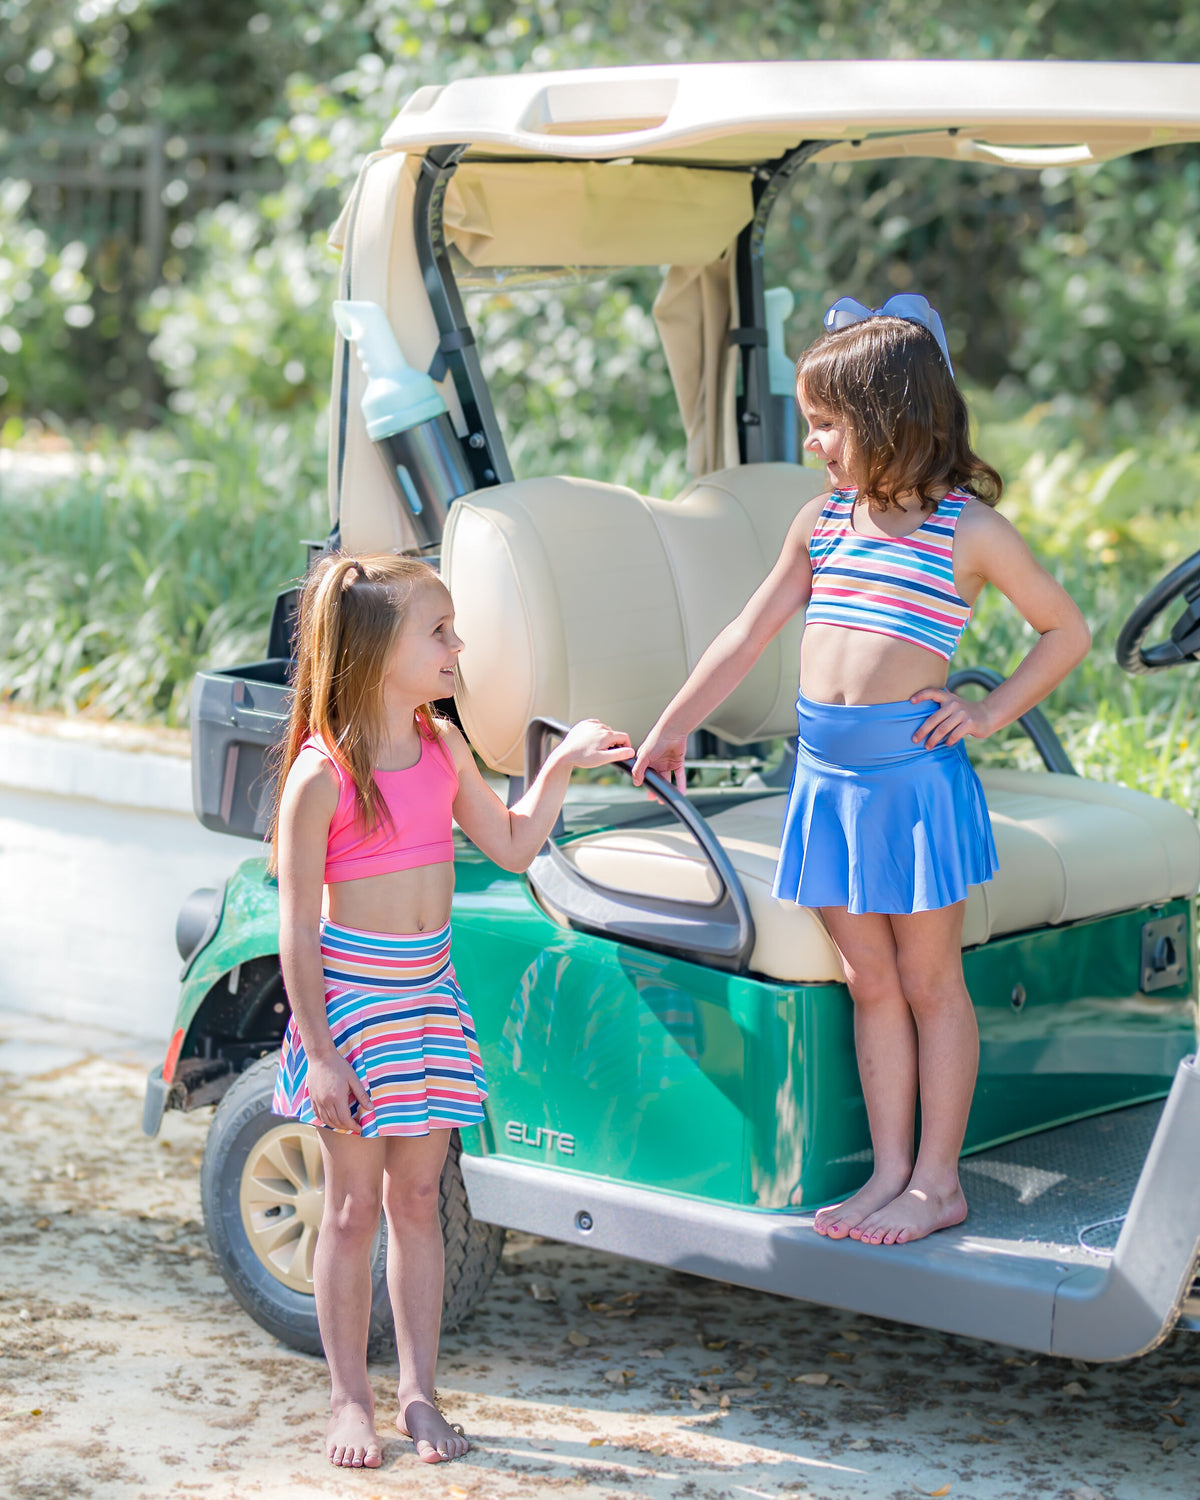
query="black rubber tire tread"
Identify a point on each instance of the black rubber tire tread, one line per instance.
(472, 1249)
(243, 1115)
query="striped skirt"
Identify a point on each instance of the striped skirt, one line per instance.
(400, 1020)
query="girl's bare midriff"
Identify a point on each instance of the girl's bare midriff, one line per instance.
(858, 666)
(403, 901)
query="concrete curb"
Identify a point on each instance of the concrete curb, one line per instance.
(113, 767)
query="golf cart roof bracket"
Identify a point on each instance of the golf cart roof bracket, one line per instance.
(457, 353)
(759, 438)
(449, 343)
(1035, 723)
(719, 934)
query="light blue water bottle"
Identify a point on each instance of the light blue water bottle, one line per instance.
(782, 372)
(407, 421)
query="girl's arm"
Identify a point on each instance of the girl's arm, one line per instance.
(785, 590)
(511, 836)
(310, 798)
(997, 554)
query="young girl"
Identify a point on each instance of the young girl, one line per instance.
(380, 1050)
(886, 824)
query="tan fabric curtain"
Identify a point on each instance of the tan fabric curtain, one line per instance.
(694, 311)
(593, 213)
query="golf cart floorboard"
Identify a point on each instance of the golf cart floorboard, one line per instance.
(1062, 1193)
(1081, 1241)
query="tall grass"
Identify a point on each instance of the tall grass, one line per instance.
(162, 556)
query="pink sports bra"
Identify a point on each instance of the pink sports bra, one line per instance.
(419, 800)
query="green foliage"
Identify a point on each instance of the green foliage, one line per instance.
(43, 303)
(1108, 302)
(163, 556)
(194, 67)
(251, 328)
(1014, 260)
(580, 382)
(1108, 518)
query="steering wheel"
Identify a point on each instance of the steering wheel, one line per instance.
(1184, 642)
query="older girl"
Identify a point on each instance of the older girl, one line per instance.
(886, 825)
(380, 1050)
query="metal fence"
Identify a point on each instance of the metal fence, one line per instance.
(123, 193)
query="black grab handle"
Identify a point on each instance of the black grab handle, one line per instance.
(719, 933)
(1035, 723)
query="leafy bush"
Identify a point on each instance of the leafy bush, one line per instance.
(251, 328)
(1108, 519)
(1110, 300)
(44, 298)
(580, 382)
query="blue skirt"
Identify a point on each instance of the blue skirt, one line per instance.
(876, 823)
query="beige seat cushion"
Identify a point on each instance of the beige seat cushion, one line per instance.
(1068, 848)
(580, 599)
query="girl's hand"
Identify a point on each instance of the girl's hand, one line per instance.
(954, 719)
(663, 754)
(331, 1084)
(590, 743)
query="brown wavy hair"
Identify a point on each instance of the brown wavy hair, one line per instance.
(351, 611)
(886, 381)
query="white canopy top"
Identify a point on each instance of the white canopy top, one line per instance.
(751, 112)
(607, 167)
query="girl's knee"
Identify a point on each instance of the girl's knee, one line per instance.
(352, 1215)
(929, 991)
(413, 1200)
(873, 979)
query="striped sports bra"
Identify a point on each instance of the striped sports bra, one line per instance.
(900, 586)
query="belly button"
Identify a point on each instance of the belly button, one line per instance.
(420, 926)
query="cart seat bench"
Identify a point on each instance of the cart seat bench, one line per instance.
(1069, 849)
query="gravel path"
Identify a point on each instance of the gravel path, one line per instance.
(126, 1370)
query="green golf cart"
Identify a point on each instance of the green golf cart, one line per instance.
(669, 1049)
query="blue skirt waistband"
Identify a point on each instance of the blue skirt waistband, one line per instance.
(852, 738)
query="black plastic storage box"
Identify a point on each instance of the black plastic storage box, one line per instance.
(237, 716)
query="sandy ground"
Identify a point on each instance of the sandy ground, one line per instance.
(127, 1370)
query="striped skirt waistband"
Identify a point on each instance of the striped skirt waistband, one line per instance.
(383, 960)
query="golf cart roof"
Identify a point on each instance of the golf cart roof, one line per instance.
(488, 181)
(1028, 114)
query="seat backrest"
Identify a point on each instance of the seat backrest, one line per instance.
(580, 599)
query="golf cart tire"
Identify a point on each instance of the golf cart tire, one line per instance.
(472, 1249)
(242, 1118)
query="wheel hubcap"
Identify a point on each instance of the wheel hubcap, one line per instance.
(282, 1195)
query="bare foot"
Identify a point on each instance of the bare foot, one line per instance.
(350, 1439)
(432, 1436)
(843, 1218)
(917, 1211)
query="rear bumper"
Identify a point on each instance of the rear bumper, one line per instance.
(1053, 1299)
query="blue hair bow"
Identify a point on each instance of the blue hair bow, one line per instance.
(910, 306)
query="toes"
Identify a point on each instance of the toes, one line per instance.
(374, 1458)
